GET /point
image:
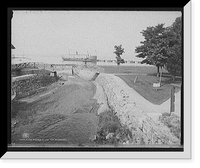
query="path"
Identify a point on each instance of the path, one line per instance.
(147, 106)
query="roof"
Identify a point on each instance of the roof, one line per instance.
(12, 46)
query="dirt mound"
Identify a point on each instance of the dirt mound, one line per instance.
(64, 117)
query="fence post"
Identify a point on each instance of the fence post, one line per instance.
(135, 79)
(72, 71)
(172, 106)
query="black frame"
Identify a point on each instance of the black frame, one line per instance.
(90, 149)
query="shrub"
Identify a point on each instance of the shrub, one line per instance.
(173, 123)
(110, 130)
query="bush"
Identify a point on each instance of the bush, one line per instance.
(110, 130)
(173, 123)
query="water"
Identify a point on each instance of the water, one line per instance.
(47, 59)
(53, 59)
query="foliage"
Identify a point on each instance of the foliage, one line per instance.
(173, 123)
(153, 49)
(119, 51)
(162, 47)
(110, 131)
(174, 50)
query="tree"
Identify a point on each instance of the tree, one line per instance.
(163, 47)
(119, 51)
(174, 50)
(153, 49)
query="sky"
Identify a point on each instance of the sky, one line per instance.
(58, 33)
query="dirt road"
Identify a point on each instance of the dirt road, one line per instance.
(66, 116)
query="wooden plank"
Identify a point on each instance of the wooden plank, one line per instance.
(172, 105)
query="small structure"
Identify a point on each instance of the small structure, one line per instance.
(156, 85)
(12, 48)
(54, 73)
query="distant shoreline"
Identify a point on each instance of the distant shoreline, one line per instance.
(125, 64)
(78, 63)
(58, 60)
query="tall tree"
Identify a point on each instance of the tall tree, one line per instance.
(119, 51)
(153, 48)
(174, 50)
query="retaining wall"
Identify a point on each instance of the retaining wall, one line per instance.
(145, 131)
(22, 86)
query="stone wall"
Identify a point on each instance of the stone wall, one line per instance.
(87, 72)
(145, 130)
(27, 71)
(25, 85)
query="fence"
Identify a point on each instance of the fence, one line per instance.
(40, 65)
(28, 84)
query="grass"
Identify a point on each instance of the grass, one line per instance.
(144, 86)
(146, 76)
(173, 123)
(131, 69)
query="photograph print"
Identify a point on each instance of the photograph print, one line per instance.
(96, 80)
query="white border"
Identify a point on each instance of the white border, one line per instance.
(138, 155)
(187, 79)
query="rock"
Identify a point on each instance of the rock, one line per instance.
(93, 137)
(13, 95)
(166, 114)
(109, 135)
(173, 123)
(143, 128)
(101, 98)
(13, 124)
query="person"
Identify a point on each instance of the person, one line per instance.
(52, 67)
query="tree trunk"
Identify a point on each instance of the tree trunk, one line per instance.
(118, 67)
(158, 71)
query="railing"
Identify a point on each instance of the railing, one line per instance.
(22, 65)
(40, 65)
